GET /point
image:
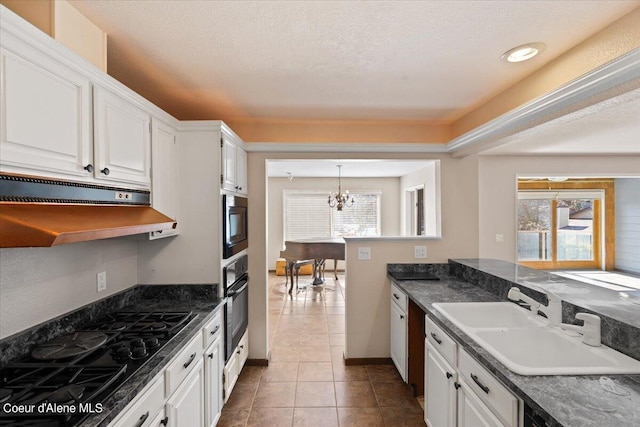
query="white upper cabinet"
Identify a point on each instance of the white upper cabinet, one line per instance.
(45, 118)
(228, 164)
(234, 166)
(241, 171)
(122, 134)
(164, 173)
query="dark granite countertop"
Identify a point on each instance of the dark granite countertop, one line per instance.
(199, 299)
(561, 400)
(204, 311)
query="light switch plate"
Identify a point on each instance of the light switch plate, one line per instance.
(499, 238)
(419, 251)
(101, 279)
(364, 253)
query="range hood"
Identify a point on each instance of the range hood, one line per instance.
(37, 212)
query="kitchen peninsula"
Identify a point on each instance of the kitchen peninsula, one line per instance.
(567, 400)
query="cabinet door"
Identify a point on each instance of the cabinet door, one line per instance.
(399, 339)
(186, 406)
(439, 390)
(214, 364)
(472, 412)
(228, 165)
(45, 117)
(122, 140)
(241, 171)
(231, 373)
(164, 173)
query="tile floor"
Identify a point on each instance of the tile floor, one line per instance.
(307, 383)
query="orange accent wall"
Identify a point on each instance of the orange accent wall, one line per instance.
(338, 131)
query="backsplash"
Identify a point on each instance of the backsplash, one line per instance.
(21, 343)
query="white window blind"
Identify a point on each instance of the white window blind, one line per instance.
(307, 214)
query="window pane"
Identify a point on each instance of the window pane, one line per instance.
(534, 230)
(575, 230)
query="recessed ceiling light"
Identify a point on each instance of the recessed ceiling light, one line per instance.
(522, 53)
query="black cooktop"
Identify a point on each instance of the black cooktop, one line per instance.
(66, 379)
(413, 275)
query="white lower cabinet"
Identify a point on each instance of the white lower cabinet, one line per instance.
(399, 331)
(458, 391)
(186, 406)
(213, 367)
(188, 392)
(439, 390)
(235, 364)
(146, 408)
(471, 411)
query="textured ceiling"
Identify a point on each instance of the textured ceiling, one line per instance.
(349, 60)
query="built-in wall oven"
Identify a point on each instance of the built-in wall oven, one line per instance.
(234, 225)
(236, 285)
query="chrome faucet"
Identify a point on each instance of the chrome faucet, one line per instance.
(590, 330)
(553, 310)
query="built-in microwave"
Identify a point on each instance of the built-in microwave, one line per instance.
(234, 225)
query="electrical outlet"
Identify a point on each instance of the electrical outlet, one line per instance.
(499, 238)
(419, 251)
(364, 253)
(102, 281)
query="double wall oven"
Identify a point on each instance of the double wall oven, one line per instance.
(234, 225)
(236, 289)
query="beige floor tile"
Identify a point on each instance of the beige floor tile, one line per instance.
(330, 309)
(337, 354)
(396, 394)
(383, 373)
(315, 371)
(229, 418)
(288, 340)
(280, 372)
(403, 417)
(270, 417)
(284, 354)
(314, 340)
(336, 340)
(242, 396)
(250, 374)
(314, 354)
(360, 417)
(349, 373)
(275, 395)
(357, 394)
(314, 394)
(315, 417)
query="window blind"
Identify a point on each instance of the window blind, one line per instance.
(307, 215)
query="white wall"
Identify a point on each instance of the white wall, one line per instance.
(429, 178)
(194, 255)
(390, 204)
(37, 284)
(497, 190)
(628, 224)
(459, 239)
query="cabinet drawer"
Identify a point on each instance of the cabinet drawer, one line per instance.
(212, 330)
(142, 410)
(441, 341)
(399, 297)
(183, 363)
(497, 397)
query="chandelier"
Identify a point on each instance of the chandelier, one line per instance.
(340, 199)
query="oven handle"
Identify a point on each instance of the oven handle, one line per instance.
(231, 293)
